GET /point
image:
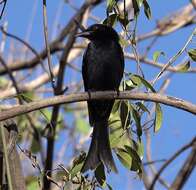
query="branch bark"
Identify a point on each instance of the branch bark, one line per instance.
(192, 143)
(185, 171)
(70, 98)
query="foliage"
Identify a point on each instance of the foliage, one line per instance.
(129, 120)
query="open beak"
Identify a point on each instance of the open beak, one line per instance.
(84, 34)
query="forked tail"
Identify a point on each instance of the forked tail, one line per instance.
(99, 150)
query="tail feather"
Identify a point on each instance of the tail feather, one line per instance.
(99, 150)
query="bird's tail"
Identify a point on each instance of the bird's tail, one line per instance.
(100, 150)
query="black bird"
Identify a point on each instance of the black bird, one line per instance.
(102, 69)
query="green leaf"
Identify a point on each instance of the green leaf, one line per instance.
(124, 158)
(136, 161)
(123, 19)
(118, 136)
(192, 54)
(82, 126)
(136, 80)
(100, 175)
(140, 2)
(47, 113)
(77, 168)
(142, 107)
(139, 80)
(137, 120)
(123, 42)
(115, 107)
(109, 187)
(35, 146)
(125, 114)
(84, 186)
(147, 10)
(136, 7)
(129, 85)
(157, 54)
(77, 164)
(3, 82)
(158, 118)
(110, 5)
(140, 149)
(33, 185)
(111, 20)
(185, 67)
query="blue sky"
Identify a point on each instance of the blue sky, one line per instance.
(178, 126)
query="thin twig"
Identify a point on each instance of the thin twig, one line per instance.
(153, 162)
(190, 144)
(4, 5)
(158, 65)
(57, 91)
(173, 59)
(33, 50)
(148, 138)
(6, 158)
(47, 43)
(10, 75)
(186, 170)
(20, 40)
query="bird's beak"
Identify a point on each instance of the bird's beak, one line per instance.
(84, 34)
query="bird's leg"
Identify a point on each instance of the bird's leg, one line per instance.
(89, 94)
(65, 90)
(117, 91)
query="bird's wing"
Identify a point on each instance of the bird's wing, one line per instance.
(85, 64)
(85, 76)
(122, 57)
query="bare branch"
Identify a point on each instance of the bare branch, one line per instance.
(172, 22)
(173, 59)
(64, 99)
(46, 42)
(193, 141)
(10, 75)
(21, 41)
(4, 5)
(185, 171)
(158, 65)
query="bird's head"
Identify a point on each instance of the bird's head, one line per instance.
(99, 32)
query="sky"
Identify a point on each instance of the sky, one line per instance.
(178, 126)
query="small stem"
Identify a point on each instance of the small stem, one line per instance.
(6, 158)
(46, 42)
(173, 59)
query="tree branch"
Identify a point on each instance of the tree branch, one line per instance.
(193, 141)
(185, 171)
(172, 22)
(70, 98)
(59, 88)
(55, 112)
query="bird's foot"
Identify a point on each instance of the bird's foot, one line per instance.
(65, 89)
(89, 94)
(118, 92)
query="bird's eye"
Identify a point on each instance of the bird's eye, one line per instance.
(95, 28)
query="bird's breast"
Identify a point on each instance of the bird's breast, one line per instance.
(105, 66)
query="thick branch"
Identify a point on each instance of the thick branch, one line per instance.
(185, 171)
(63, 99)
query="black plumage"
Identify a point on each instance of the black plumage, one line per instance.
(102, 69)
